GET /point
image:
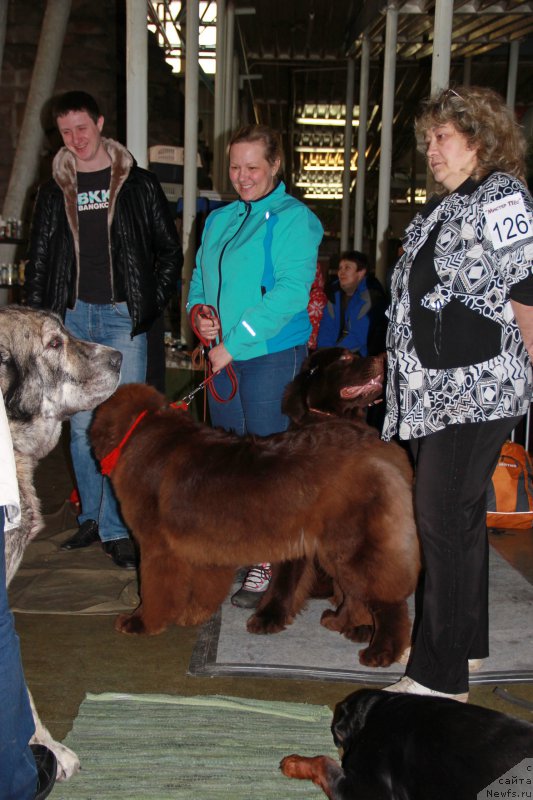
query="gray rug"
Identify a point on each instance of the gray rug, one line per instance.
(308, 650)
(53, 581)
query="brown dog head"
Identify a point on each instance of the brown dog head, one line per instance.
(334, 381)
(113, 419)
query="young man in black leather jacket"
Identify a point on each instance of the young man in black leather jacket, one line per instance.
(105, 255)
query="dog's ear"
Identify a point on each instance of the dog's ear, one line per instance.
(115, 415)
(351, 714)
(21, 387)
(341, 727)
(294, 403)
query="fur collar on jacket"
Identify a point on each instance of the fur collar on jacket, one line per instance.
(64, 174)
(64, 164)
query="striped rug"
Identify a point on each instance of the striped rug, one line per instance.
(162, 747)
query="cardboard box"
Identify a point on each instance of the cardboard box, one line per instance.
(173, 191)
(167, 154)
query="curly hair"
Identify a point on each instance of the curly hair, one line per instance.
(270, 139)
(487, 122)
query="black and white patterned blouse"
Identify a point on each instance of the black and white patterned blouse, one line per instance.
(455, 353)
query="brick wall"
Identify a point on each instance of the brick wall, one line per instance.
(93, 58)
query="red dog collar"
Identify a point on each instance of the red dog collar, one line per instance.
(109, 462)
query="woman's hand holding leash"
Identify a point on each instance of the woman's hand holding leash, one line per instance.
(205, 323)
(219, 357)
(208, 326)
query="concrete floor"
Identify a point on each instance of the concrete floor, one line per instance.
(66, 656)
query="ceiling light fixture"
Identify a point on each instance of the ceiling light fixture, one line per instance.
(330, 122)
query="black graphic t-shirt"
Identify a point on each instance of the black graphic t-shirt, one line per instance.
(93, 204)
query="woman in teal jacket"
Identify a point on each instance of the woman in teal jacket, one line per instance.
(255, 266)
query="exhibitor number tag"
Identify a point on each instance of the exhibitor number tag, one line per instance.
(508, 221)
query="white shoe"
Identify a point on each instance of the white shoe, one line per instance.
(474, 664)
(408, 686)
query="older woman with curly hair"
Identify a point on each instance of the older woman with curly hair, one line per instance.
(459, 344)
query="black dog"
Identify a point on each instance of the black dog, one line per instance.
(409, 747)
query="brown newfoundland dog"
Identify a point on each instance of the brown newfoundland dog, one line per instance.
(201, 502)
(332, 382)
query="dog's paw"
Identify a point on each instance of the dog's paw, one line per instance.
(322, 770)
(132, 624)
(377, 657)
(291, 766)
(359, 633)
(68, 762)
(331, 621)
(403, 658)
(266, 623)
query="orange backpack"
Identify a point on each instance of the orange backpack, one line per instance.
(510, 493)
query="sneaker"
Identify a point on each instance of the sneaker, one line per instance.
(254, 586)
(408, 686)
(474, 664)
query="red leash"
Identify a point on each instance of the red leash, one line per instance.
(109, 462)
(198, 311)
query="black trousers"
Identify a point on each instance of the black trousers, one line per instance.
(156, 355)
(453, 468)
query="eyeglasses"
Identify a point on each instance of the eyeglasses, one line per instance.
(455, 94)
(446, 102)
(447, 93)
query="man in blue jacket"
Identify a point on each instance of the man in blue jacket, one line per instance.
(345, 319)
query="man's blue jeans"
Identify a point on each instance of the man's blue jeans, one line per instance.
(110, 325)
(256, 407)
(18, 772)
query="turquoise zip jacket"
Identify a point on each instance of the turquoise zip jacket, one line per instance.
(255, 265)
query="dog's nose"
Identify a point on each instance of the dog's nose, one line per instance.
(116, 360)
